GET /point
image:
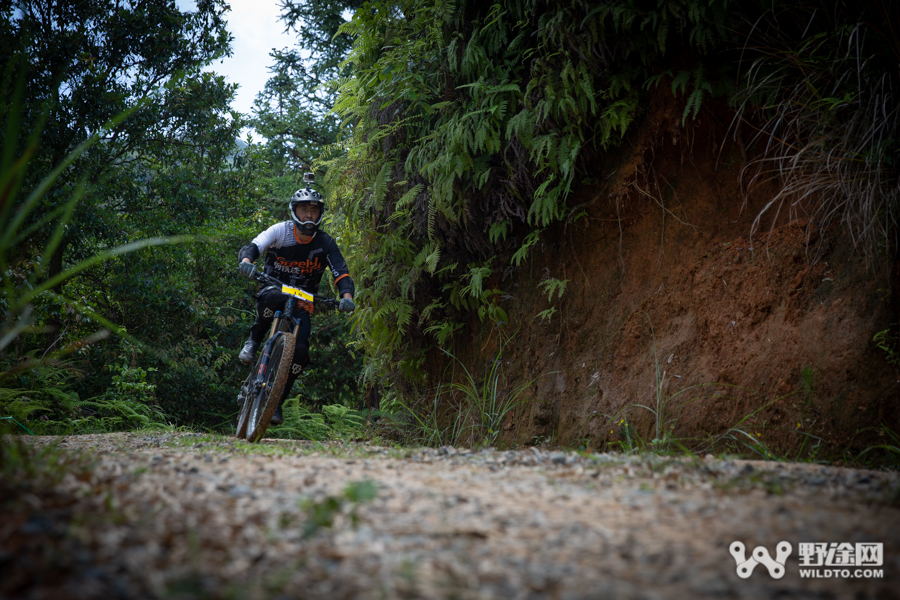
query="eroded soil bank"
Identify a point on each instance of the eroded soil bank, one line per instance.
(189, 516)
(676, 303)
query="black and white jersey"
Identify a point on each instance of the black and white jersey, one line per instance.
(296, 263)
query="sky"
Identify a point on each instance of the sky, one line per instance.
(256, 30)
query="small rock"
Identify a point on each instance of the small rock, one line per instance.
(239, 490)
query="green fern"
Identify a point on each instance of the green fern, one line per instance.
(409, 196)
(552, 286)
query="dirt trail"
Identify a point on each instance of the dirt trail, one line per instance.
(188, 516)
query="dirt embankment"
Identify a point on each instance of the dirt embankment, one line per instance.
(189, 516)
(664, 276)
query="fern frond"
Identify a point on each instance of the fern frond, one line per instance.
(380, 184)
(409, 196)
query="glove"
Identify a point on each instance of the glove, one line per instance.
(346, 305)
(248, 270)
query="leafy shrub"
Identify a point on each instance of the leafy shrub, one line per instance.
(334, 421)
(39, 394)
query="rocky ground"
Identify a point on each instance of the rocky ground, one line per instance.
(182, 515)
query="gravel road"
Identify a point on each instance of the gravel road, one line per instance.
(196, 516)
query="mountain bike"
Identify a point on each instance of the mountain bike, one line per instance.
(261, 391)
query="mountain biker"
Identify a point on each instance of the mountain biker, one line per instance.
(296, 253)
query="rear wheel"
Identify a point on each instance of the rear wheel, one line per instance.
(271, 377)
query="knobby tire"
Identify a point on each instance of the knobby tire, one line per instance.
(261, 409)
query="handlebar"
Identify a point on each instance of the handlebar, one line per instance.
(263, 278)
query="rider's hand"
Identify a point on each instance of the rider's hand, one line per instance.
(247, 269)
(346, 305)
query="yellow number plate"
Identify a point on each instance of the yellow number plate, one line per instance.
(297, 292)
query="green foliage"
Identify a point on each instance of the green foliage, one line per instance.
(292, 111)
(819, 91)
(332, 377)
(128, 403)
(42, 391)
(425, 421)
(335, 421)
(477, 408)
(886, 341)
(187, 300)
(702, 88)
(43, 398)
(551, 286)
(469, 124)
(172, 168)
(82, 66)
(329, 511)
(36, 381)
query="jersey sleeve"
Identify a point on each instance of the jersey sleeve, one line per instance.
(342, 280)
(272, 236)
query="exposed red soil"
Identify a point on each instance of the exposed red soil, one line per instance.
(664, 275)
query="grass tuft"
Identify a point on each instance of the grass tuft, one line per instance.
(826, 122)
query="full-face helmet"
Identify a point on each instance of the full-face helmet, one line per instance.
(311, 196)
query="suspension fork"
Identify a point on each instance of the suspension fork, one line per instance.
(275, 323)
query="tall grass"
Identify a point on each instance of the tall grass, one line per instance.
(884, 454)
(427, 423)
(743, 437)
(826, 121)
(476, 407)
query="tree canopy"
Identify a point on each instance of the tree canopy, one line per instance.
(74, 69)
(293, 112)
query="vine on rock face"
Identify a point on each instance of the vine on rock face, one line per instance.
(469, 123)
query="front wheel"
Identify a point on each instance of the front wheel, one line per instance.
(245, 401)
(270, 378)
